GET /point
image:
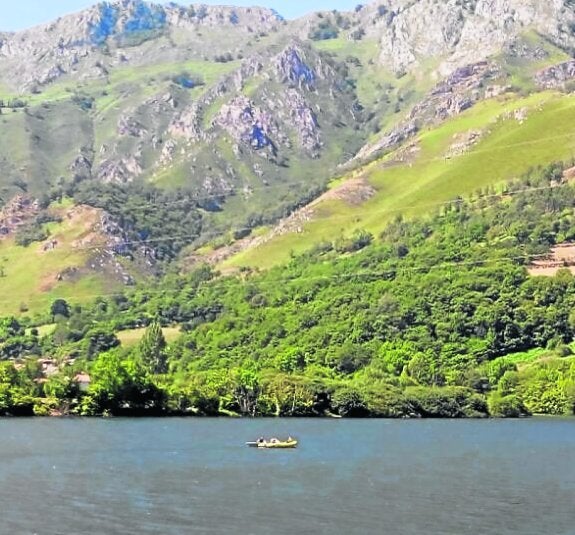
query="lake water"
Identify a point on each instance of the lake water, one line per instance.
(195, 476)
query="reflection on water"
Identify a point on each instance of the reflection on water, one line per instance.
(180, 476)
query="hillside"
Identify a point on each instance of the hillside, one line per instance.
(214, 211)
(437, 317)
(481, 149)
(213, 134)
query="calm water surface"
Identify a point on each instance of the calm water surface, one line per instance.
(180, 476)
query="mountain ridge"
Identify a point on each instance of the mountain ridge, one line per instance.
(408, 31)
(247, 117)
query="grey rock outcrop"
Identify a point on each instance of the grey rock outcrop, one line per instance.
(81, 168)
(247, 123)
(456, 33)
(84, 43)
(556, 76)
(305, 121)
(391, 139)
(267, 123)
(128, 126)
(456, 93)
(120, 171)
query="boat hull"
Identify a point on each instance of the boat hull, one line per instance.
(280, 445)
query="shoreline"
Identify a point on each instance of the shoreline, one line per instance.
(306, 417)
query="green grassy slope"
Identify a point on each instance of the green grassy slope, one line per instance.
(378, 89)
(509, 146)
(132, 337)
(29, 280)
(38, 145)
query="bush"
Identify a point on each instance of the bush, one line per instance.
(563, 350)
(348, 402)
(388, 402)
(187, 80)
(29, 234)
(449, 402)
(350, 358)
(506, 406)
(357, 241)
(325, 30)
(83, 101)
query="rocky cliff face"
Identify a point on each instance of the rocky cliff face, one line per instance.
(295, 97)
(458, 92)
(227, 101)
(451, 33)
(281, 116)
(556, 76)
(113, 33)
(454, 33)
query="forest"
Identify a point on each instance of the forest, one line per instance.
(436, 317)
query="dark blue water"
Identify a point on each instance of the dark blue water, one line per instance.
(180, 476)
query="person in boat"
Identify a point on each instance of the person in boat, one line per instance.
(261, 440)
(274, 440)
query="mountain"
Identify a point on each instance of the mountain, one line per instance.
(173, 95)
(245, 117)
(212, 210)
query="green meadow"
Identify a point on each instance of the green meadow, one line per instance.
(29, 275)
(132, 337)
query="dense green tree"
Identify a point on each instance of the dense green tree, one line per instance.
(121, 386)
(61, 387)
(60, 307)
(349, 402)
(152, 349)
(98, 340)
(508, 406)
(15, 395)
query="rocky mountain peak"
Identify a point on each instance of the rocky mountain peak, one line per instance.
(124, 18)
(458, 32)
(77, 42)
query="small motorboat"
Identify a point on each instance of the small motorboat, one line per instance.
(273, 443)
